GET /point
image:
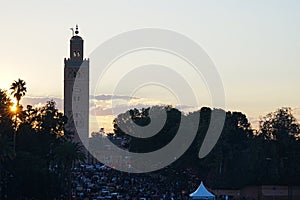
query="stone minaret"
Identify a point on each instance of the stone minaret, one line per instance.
(76, 93)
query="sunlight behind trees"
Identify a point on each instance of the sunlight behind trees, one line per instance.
(29, 141)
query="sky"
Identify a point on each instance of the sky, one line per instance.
(254, 45)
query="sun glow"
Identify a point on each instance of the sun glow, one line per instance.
(14, 108)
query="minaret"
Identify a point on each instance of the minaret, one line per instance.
(76, 93)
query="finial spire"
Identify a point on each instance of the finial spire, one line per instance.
(76, 31)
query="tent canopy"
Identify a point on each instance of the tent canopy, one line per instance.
(202, 193)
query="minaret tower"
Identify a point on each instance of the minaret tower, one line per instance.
(76, 89)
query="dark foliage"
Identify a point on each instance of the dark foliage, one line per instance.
(40, 165)
(270, 155)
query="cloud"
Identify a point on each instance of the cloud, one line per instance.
(118, 105)
(296, 111)
(104, 107)
(114, 105)
(114, 110)
(40, 101)
(110, 97)
(100, 111)
(107, 105)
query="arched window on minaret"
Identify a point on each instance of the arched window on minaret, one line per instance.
(74, 54)
(78, 53)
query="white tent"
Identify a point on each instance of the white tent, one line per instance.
(202, 193)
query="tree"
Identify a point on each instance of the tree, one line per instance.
(6, 131)
(6, 115)
(66, 154)
(6, 153)
(41, 166)
(279, 130)
(280, 125)
(226, 163)
(6, 150)
(18, 90)
(40, 131)
(128, 122)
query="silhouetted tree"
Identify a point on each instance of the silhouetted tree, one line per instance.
(6, 138)
(66, 154)
(41, 167)
(6, 123)
(126, 122)
(18, 90)
(279, 131)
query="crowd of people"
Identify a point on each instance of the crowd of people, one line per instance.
(101, 182)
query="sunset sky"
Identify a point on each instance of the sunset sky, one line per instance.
(255, 46)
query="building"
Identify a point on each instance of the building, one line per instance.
(76, 89)
(261, 192)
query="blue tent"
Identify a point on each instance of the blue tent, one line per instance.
(202, 193)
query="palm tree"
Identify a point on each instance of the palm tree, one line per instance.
(18, 90)
(65, 155)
